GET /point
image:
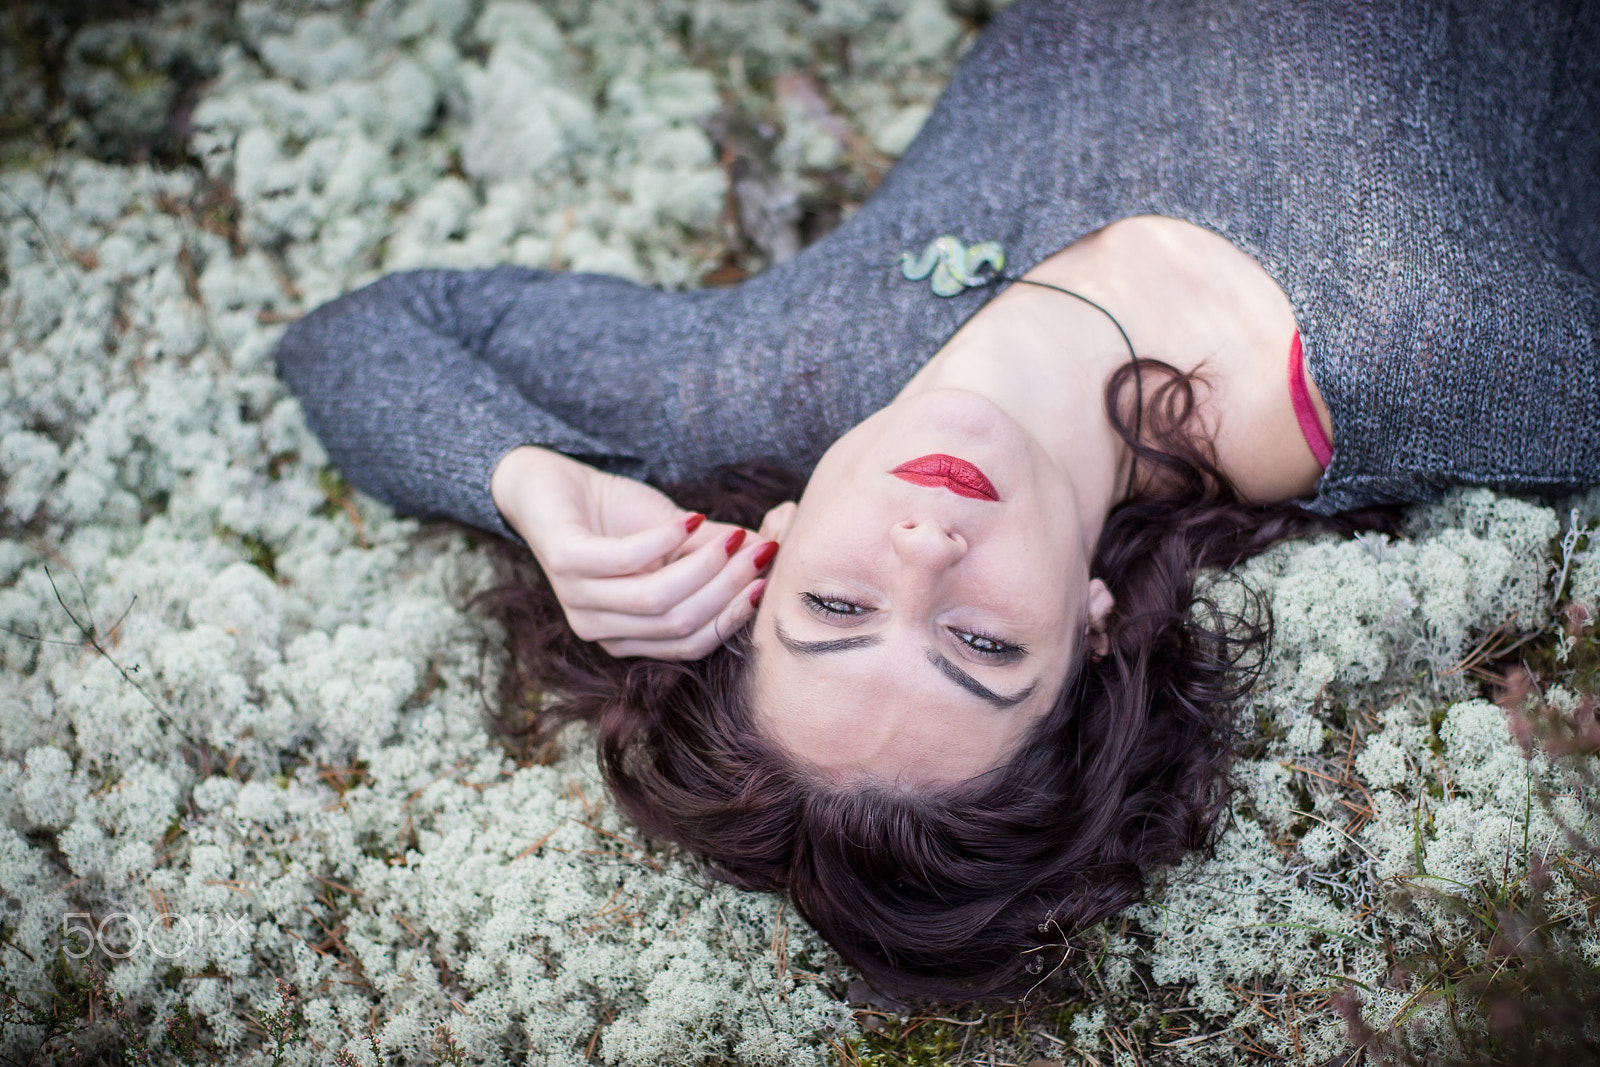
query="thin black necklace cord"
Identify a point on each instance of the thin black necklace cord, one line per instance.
(1138, 378)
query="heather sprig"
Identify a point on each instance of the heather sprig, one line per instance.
(283, 1025)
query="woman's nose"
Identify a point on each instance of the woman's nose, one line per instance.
(927, 543)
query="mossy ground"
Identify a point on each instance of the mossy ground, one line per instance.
(1502, 971)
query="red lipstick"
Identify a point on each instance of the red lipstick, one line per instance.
(947, 472)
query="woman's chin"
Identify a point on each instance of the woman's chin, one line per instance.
(951, 422)
(954, 410)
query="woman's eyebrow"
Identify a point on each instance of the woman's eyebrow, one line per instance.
(975, 687)
(945, 667)
(822, 648)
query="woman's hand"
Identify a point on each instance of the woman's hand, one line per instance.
(632, 570)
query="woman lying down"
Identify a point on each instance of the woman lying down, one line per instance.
(914, 638)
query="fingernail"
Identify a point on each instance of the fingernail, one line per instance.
(733, 542)
(755, 594)
(692, 523)
(764, 555)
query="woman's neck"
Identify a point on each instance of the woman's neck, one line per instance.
(1184, 296)
(1012, 354)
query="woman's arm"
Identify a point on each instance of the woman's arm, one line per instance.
(397, 381)
(393, 381)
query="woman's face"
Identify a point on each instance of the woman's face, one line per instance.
(917, 621)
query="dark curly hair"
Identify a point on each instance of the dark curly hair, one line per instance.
(973, 890)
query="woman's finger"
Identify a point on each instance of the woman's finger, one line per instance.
(725, 562)
(702, 642)
(692, 599)
(595, 556)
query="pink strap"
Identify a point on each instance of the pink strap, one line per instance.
(1304, 409)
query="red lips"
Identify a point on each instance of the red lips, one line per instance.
(947, 472)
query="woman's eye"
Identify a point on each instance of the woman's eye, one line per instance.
(989, 646)
(831, 605)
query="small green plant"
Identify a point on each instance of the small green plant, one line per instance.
(64, 1006)
(182, 1036)
(285, 1025)
(913, 1042)
(16, 1012)
(344, 1058)
(340, 500)
(134, 1048)
(444, 1045)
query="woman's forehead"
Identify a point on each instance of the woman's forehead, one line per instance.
(882, 708)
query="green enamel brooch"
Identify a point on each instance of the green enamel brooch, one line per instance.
(955, 267)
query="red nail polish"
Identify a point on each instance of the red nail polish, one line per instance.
(764, 555)
(692, 523)
(733, 542)
(755, 594)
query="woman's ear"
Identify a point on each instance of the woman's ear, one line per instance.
(775, 525)
(1100, 604)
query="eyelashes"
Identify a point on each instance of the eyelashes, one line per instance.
(986, 645)
(831, 605)
(989, 646)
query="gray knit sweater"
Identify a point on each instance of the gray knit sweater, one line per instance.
(1422, 179)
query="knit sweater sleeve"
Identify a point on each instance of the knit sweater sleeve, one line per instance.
(394, 380)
